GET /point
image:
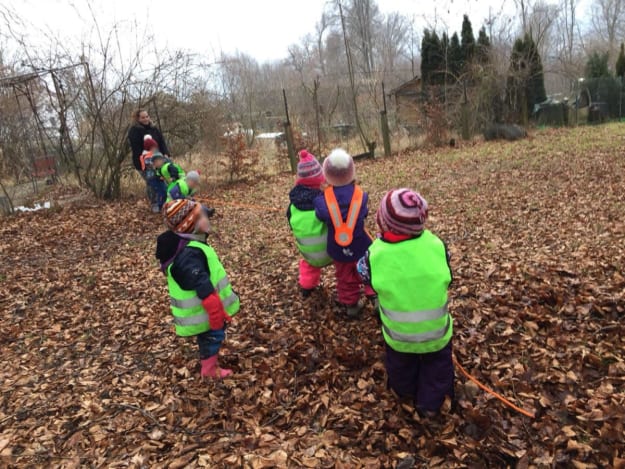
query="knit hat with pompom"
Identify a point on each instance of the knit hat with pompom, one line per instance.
(339, 168)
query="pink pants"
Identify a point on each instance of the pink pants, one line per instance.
(309, 276)
(349, 283)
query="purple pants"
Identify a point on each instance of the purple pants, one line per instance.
(427, 378)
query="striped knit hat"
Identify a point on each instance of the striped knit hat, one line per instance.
(181, 215)
(402, 211)
(309, 172)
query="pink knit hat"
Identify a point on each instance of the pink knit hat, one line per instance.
(309, 172)
(402, 211)
(339, 168)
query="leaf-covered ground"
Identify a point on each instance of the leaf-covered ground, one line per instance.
(92, 374)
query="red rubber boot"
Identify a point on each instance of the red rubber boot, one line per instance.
(211, 369)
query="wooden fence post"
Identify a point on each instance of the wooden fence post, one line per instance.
(288, 131)
(386, 137)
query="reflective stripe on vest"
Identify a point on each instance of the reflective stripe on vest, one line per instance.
(191, 320)
(344, 231)
(312, 241)
(418, 338)
(311, 236)
(411, 279)
(415, 316)
(196, 301)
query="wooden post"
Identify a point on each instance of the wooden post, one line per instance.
(464, 116)
(288, 131)
(386, 137)
(316, 104)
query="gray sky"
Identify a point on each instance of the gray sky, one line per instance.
(263, 29)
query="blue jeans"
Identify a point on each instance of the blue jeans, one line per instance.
(159, 190)
(210, 342)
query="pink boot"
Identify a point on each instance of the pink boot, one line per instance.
(211, 369)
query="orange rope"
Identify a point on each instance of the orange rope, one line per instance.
(527, 413)
(485, 388)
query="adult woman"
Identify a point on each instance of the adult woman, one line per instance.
(142, 127)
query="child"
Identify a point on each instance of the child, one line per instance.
(343, 207)
(202, 299)
(184, 187)
(408, 267)
(167, 169)
(311, 234)
(157, 188)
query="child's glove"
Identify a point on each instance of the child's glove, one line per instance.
(217, 316)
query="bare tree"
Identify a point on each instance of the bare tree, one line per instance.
(608, 22)
(567, 61)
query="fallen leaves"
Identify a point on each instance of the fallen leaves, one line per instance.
(92, 373)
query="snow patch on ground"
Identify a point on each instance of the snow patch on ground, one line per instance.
(35, 208)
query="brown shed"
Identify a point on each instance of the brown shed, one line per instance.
(408, 98)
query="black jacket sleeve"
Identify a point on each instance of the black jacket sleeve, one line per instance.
(135, 138)
(448, 256)
(158, 136)
(190, 271)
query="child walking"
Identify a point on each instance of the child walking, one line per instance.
(184, 187)
(166, 169)
(343, 207)
(156, 185)
(310, 233)
(408, 267)
(202, 299)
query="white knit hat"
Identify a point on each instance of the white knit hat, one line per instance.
(338, 168)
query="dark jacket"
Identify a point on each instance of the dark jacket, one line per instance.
(302, 198)
(361, 241)
(135, 138)
(189, 266)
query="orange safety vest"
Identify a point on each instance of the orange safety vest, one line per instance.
(143, 157)
(344, 230)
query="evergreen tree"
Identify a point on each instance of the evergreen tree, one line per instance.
(597, 66)
(455, 56)
(483, 46)
(620, 63)
(432, 59)
(467, 41)
(526, 84)
(426, 44)
(436, 59)
(446, 64)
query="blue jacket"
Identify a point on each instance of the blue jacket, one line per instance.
(361, 241)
